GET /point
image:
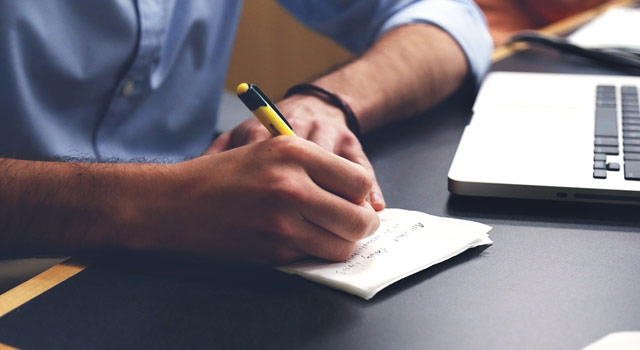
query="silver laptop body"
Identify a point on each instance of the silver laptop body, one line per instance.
(552, 136)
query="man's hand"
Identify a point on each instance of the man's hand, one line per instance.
(274, 202)
(312, 119)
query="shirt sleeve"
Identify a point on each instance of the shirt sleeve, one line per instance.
(356, 24)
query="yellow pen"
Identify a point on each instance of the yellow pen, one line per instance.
(264, 110)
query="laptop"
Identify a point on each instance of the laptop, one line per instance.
(553, 137)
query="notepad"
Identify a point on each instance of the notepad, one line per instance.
(617, 341)
(616, 27)
(405, 243)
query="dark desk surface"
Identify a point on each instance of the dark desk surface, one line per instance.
(559, 275)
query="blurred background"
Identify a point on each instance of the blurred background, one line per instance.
(275, 51)
(276, 61)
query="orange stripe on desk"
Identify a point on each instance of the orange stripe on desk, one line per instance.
(503, 51)
(7, 347)
(18, 296)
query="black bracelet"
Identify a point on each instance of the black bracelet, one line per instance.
(333, 99)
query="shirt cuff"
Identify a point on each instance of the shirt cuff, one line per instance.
(463, 20)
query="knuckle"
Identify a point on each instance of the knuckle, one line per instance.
(360, 227)
(287, 190)
(280, 227)
(343, 251)
(350, 140)
(255, 134)
(374, 223)
(288, 147)
(316, 124)
(296, 123)
(365, 179)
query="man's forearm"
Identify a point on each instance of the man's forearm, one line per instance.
(270, 202)
(67, 207)
(408, 70)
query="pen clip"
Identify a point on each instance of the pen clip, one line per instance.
(268, 102)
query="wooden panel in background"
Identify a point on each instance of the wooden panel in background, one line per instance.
(275, 51)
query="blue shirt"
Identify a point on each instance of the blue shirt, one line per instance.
(127, 79)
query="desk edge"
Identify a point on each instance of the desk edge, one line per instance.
(32, 288)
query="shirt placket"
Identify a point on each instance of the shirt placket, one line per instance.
(152, 20)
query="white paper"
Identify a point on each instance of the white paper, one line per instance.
(617, 341)
(406, 242)
(616, 27)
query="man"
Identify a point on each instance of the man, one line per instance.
(113, 81)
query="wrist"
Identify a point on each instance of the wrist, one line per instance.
(302, 106)
(331, 98)
(140, 205)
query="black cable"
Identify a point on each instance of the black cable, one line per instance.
(617, 58)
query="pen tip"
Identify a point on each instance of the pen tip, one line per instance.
(242, 88)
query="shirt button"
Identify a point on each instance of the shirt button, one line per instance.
(128, 87)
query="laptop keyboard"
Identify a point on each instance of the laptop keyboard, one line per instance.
(606, 131)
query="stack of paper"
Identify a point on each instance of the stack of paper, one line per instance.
(406, 242)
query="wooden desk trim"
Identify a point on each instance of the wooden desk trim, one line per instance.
(7, 347)
(21, 294)
(50, 278)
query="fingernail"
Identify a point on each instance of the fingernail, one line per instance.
(377, 200)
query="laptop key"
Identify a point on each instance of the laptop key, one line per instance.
(632, 149)
(630, 121)
(631, 142)
(606, 123)
(603, 104)
(607, 149)
(631, 135)
(632, 170)
(606, 141)
(601, 157)
(630, 127)
(599, 165)
(599, 174)
(631, 156)
(613, 166)
(605, 89)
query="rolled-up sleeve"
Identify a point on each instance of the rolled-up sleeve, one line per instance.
(356, 24)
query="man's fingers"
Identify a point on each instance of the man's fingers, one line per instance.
(255, 134)
(249, 131)
(317, 241)
(325, 138)
(353, 151)
(220, 144)
(329, 171)
(347, 220)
